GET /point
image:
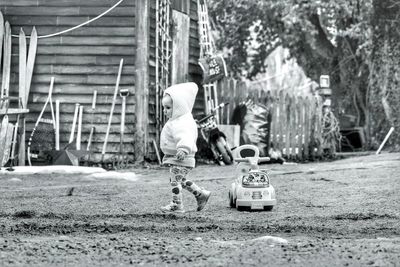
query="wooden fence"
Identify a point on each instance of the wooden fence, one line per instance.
(294, 122)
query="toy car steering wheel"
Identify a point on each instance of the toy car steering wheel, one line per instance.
(249, 147)
(256, 156)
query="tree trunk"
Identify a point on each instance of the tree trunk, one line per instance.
(384, 97)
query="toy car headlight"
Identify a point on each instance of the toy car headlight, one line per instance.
(256, 179)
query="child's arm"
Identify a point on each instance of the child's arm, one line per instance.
(180, 155)
(186, 136)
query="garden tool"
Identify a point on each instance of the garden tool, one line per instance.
(123, 94)
(103, 152)
(93, 128)
(6, 129)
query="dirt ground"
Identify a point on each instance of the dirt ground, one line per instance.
(340, 213)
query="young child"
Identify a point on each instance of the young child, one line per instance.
(178, 142)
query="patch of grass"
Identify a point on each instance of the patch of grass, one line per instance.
(362, 216)
(25, 214)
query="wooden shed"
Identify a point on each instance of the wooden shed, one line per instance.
(157, 40)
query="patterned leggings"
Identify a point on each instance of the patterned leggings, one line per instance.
(178, 181)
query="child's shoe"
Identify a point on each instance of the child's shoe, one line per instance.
(202, 199)
(172, 207)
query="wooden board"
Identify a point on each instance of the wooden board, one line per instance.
(6, 61)
(98, 60)
(22, 67)
(180, 48)
(26, 66)
(1, 35)
(30, 63)
(75, 69)
(65, 11)
(127, 31)
(85, 50)
(7, 144)
(3, 136)
(94, 40)
(12, 111)
(83, 79)
(67, 3)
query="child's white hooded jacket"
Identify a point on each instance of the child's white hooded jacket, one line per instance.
(180, 131)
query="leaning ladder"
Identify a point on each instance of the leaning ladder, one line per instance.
(163, 56)
(207, 48)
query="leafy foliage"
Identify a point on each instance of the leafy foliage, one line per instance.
(248, 30)
(325, 36)
(384, 81)
(356, 42)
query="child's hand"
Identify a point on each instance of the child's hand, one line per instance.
(180, 155)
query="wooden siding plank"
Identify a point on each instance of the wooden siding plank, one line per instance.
(87, 31)
(65, 11)
(84, 40)
(85, 50)
(104, 108)
(29, 21)
(82, 60)
(12, 10)
(180, 48)
(118, 11)
(103, 21)
(78, 89)
(65, 3)
(80, 79)
(76, 69)
(53, 20)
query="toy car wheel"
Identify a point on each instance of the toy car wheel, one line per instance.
(232, 203)
(226, 158)
(241, 208)
(268, 208)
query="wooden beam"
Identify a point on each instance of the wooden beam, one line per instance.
(12, 111)
(142, 79)
(180, 48)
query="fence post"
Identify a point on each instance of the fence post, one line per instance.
(307, 117)
(287, 125)
(300, 127)
(242, 92)
(318, 111)
(280, 118)
(293, 127)
(273, 112)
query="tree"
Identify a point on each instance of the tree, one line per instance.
(384, 93)
(326, 37)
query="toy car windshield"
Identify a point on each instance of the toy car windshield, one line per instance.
(255, 179)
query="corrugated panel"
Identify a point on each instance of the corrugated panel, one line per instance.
(81, 61)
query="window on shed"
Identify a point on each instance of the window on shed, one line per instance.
(181, 5)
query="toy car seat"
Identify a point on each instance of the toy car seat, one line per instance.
(248, 157)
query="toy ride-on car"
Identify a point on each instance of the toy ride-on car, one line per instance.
(252, 188)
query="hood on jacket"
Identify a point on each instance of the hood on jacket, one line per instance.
(183, 96)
